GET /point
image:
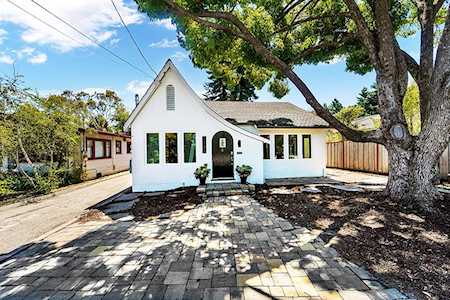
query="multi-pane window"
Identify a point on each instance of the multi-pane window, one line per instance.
(128, 147)
(279, 146)
(293, 146)
(152, 148)
(170, 97)
(306, 138)
(189, 147)
(118, 147)
(171, 148)
(266, 147)
(97, 149)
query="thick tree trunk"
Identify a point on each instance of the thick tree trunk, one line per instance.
(411, 174)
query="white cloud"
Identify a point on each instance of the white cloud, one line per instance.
(180, 56)
(166, 23)
(37, 59)
(3, 34)
(26, 51)
(6, 59)
(94, 17)
(113, 42)
(165, 43)
(138, 87)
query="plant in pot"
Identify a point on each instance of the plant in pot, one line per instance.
(201, 173)
(244, 171)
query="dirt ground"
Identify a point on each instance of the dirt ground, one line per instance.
(398, 245)
(149, 206)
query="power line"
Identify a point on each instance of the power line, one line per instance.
(132, 38)
(92, 39)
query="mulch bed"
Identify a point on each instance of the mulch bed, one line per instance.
(400, 246)
(150, 206)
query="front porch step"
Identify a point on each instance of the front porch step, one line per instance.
(224, 189)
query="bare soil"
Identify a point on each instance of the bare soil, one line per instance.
(405, 247)
(167, 202)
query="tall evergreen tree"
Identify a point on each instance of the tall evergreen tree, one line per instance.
(218, 90)
(368, 99)
(334, 107)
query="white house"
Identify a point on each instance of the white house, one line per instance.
(174, 131)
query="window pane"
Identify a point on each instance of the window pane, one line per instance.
(152, 148)
(108, 148)
(204, 144)
(118, 147)
(99, 149)
(293, 146)
(90, 146)
(279, 146)
(128, 147)
(266, 147)
(189, 147)
(307, 146)
(171, 148)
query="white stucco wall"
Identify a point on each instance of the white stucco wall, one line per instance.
(300, 167)
(189, 116)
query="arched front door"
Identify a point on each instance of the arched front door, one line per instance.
(222, 155)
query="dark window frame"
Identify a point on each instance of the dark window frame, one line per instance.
(146, 147)
(119, 143)
(195, 147)
(275, 142)
(176, 148)
(128, 147)
(292, 155)
(204, 144)
(305, 137)
(266, 147)
(105, 141)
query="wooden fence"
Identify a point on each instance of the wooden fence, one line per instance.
(368, 157)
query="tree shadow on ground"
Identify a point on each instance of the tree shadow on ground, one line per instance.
(219, 250)
(400, 246)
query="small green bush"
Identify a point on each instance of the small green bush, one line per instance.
(45, 183)
(244, 170)
(202, 172)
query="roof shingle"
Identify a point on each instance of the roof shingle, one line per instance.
(266, 114)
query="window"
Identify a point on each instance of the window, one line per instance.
(306, 146)
(171, 148)
(279, 146)
(97, 149)
(203, 144)
(293, 146)
(266, 147)
(152, 148)
(170, 97)
(239, 143)
(118, 147)
(128, 147)
(189, 147)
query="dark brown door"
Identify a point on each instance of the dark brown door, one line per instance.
(222, 155)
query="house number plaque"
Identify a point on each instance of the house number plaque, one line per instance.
(222, 142)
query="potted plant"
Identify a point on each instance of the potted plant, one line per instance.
(201, 173)
(244, 171)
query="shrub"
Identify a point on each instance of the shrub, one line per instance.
(45, 183)
(244, 170)
(202, 172)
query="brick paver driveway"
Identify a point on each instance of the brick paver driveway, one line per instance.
(230, 248)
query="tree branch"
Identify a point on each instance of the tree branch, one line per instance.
(413, 66)
(310, 19)
(245, 34)
(325, 44)
(437, 7)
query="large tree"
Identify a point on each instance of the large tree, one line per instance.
(270, 38)
(218, 89)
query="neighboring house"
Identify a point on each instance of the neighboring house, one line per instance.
(174, 131)
(104, 153)
(367, 122)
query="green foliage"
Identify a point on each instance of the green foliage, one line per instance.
(47, 182)
(202, 172)
(368, 100)
(350, 113)
(334, 107)
(411, 109)
(244, 170)
(217, 89)
(279, 88)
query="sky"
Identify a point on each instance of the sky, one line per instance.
(53, 61)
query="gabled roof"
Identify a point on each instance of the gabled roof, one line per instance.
(156, 83)
(267, 114)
